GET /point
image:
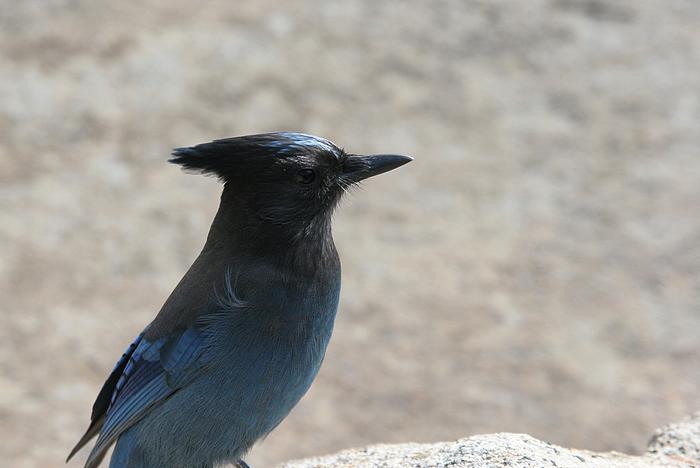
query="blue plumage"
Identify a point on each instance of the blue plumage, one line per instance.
(155, 370)
(243, 335)
(259, 368)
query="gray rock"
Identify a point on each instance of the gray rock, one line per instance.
(679, 441)
(675, 445)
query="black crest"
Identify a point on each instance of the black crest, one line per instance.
(230, 156)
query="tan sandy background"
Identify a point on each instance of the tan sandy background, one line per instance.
(536, 269)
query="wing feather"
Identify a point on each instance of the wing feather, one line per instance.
(148, 373)
(105, 397)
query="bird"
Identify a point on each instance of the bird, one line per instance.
(242, 336)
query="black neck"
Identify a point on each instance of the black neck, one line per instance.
(239, 230)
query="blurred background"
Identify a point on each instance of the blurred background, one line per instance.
(536, 269)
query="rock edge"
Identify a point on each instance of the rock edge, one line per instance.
(675, 445)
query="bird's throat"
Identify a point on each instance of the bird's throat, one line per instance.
(238, 230)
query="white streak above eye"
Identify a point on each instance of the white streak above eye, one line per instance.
(305, 140)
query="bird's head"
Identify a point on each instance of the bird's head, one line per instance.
(284, 178)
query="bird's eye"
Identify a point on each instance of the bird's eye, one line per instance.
(305, 176)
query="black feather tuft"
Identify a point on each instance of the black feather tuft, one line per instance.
(225, 158)
(202, 159)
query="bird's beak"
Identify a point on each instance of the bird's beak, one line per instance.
(357, 168)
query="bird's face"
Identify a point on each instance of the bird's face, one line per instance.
(287, 178)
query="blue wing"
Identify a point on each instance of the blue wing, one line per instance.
(102, 402)
(150, 373)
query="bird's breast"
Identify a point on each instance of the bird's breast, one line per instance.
(276, 344)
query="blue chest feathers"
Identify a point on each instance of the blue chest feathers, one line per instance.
(268, 345)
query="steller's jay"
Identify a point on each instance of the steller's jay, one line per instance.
(242, 336)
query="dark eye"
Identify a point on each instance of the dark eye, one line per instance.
(305, 176)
